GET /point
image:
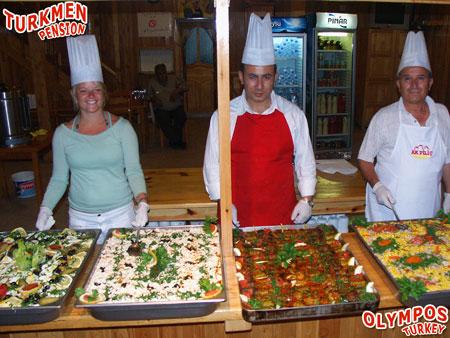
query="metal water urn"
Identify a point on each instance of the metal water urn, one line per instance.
(15, 121)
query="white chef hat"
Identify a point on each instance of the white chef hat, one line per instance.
(84, 59)
(258, 49)
(415, 52)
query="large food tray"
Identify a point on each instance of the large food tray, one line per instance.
(311, 311)
(142, 310)
(432, 297)
(44, 313)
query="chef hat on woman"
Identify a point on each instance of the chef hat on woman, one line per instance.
(259, 49)
(415, 52)
(84, 59)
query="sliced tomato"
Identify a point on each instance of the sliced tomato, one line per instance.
(212, 293)
(213, 228)
(417, 240)
(247, 292)
(384, 242)
(413, 259)
(243, 284)
(346, 254)
(3, 290)
(31, 286)
(55, 247)
(385, 228)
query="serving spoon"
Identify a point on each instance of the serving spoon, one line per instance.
(135, 248)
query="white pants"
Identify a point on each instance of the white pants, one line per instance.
(117, 218)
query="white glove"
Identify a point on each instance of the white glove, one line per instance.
(141, 215)
(383, 194)
(301, 213)
(446, 204)
(234, 216)
(45, 219)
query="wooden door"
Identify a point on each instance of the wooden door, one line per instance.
(201, 96)
(384, 51)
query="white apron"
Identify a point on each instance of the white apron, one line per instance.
(413, 175)
(117, 218)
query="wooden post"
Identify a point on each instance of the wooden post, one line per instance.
(223, 91)
(39, 65)
(223, 85)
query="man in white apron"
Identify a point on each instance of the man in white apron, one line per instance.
(269, 143)
(410, 141)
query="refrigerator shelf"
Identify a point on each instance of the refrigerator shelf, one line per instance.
(333, 69)
(328, 88)
(331, 51)
(329, 115)
(288, 86)
(332, 135)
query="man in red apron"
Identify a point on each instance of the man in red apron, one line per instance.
(269, 143)
(410, 140)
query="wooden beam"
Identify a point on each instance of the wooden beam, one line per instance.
(436, 2)
(39, 66)
(223, 83)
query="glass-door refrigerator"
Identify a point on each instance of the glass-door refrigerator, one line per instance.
(289, 40)
(330, 82)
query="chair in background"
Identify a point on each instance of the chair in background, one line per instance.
(122, 103)
(162, 137)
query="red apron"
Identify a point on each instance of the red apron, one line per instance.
(262, 170)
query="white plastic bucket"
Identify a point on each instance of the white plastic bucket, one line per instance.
(24, 184)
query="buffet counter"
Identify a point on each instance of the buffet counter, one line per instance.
(74, 322)
(179, 194)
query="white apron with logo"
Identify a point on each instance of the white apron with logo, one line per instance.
(413, 174)
(117, 218)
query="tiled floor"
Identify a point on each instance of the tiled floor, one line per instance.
(22, 212)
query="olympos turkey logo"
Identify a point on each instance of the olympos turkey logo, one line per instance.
(421, 152)
(416, 321)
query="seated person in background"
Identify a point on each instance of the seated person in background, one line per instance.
(166, 94)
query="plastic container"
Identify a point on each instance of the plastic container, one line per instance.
(24, 184)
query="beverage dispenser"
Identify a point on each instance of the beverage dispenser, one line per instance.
(15, 121)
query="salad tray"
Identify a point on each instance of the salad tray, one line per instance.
(292, 272)
(178, 274)
(38, 270)
(415, 256)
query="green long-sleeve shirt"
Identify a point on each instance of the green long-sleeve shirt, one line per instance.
(104, 169)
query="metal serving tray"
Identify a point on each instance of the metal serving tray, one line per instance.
(44, 313)
(153, 309)
(434, 297)
(306, 312)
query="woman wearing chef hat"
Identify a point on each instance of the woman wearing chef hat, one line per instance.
(410, 140)
(98, 151)
(269, 142)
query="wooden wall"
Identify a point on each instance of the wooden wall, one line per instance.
(43, 68)
(436, 22)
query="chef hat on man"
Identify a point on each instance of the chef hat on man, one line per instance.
(415, 52)
(84, 59)
(259, 49)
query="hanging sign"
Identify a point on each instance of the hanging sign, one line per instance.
(336, 20)
(155, 24)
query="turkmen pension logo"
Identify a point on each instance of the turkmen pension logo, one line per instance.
(63, 19)
(421, 152)
(416, 321)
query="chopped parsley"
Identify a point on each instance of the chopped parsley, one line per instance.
(410, 288)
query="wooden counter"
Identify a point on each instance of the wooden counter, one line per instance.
(179, 194)
(227, 318)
